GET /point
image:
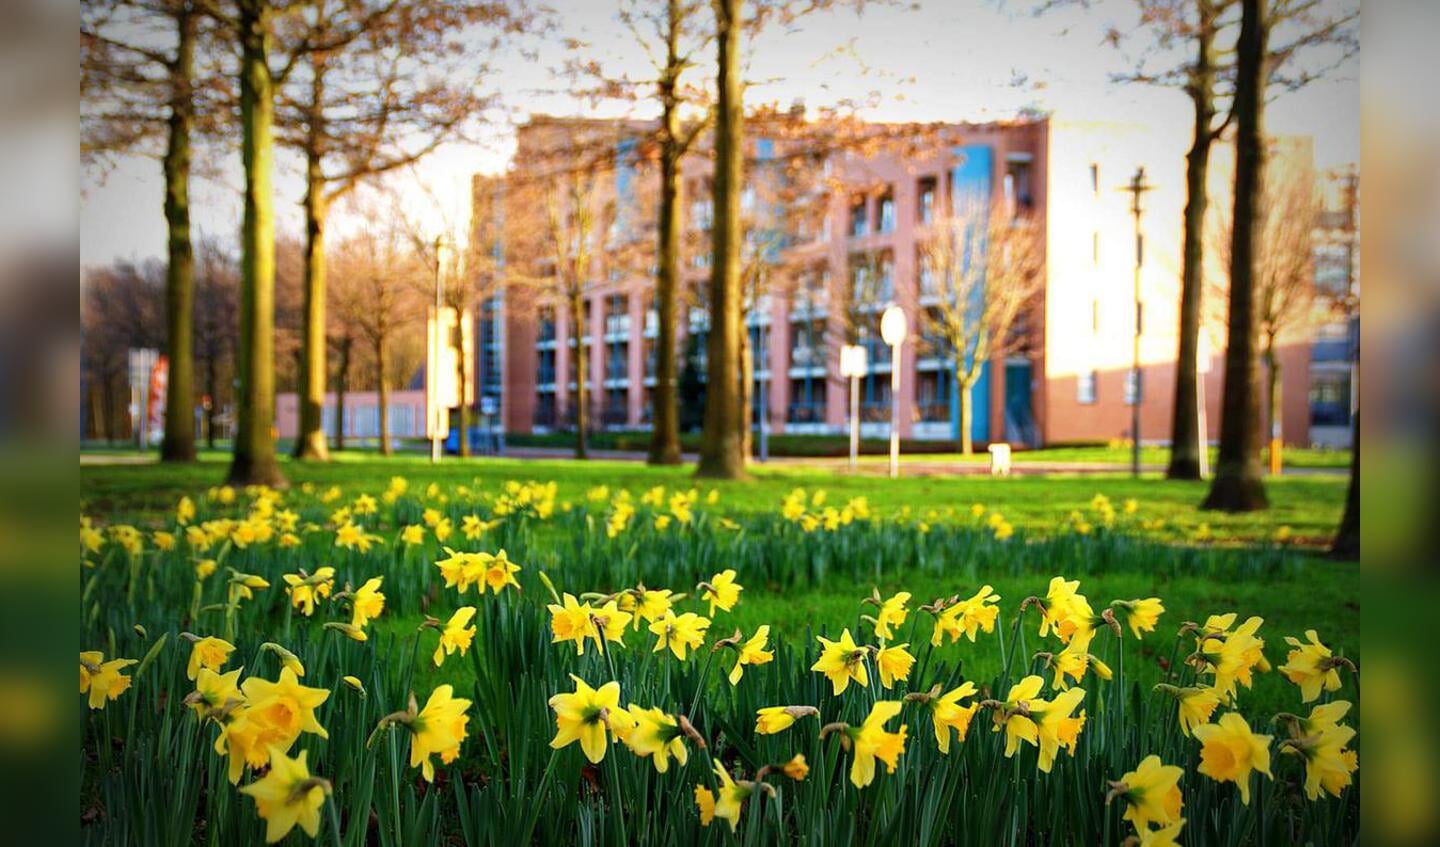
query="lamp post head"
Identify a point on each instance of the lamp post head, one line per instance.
(854, 361)
(894, 326)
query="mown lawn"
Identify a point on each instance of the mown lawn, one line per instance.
(1309, 506)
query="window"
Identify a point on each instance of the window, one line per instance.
(857, 217)
(1330, 399)
(1018, 197)
(928, 286)
(886, 220)
(925, 206)
(547, 324)
(1085, 387)
(545, 367)
(932, 395)
(807, 400)
(1132, 387)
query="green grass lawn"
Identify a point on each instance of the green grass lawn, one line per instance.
(1310, 506)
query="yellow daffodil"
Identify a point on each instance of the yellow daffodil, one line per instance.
(1065, 609)
(705, 803)
(1328, 761)
(949, 716)
(1013, 714)
(413, 534)
(184, 511)
(679, 632)
(1073, 661)
(771, 720)
(721, 591)
(751, 652)
(443, 528)
(1055, 726)
(1233, 656)
(610, 623)
(367, 603)
(1140, 615)
(439, 728)
(1151, 793)
(288, 796)
(892, 614)
(797, 768)
(572, 621)
(209, 652)
(500, 572)
(842, 661)
(354, 684)
(215, 694)
(285, 704)
(650, 604)
(1163, 837)
(163, 540)
(304, 589)
(204, 568)
(456, 635)
(871, 741)
(731, 799)
(1195, 704)
(584, 716)
(657, 735)
(102, 680)
(894, 664)
(1309, 666)
(1229, 752)
(287, 659)
(431, 517)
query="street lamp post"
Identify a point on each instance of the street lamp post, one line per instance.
(854, 364)
(1136, 187)
(893, 329)
(441, 246)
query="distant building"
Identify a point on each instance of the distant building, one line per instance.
(1334, 358)
(1071, 382)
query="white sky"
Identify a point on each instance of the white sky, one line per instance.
(950, 60)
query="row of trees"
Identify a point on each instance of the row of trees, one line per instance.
(357, 87)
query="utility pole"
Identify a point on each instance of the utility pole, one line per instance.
(1136, 188)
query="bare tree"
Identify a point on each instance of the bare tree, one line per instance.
(552, 220)
(1190, 45)
(985, 268)
(216, 299)
(376, 86)
(119, 310)
(378, 275)
(141, 94)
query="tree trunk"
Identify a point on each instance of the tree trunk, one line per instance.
(580, 398)
(342, 381)
(254, 460)
(1347, 540)
(664, 405)
(460, 374)
(310, 440)
(382, 364)
(720, 448)
(1274, 410)
(107, 388)
(178, 444)
(962, 396)
(1185, 436)
(747, 394)
(1238, 486)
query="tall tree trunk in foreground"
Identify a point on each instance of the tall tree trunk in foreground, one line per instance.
(720, 448)
(1237, 486)
(665, 416)
(1347, 540)
(310, 440)
(179, 442)
(1185, 435)
(254, 461)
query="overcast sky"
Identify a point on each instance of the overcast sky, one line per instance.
(946, 61)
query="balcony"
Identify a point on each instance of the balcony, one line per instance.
(934, 411)
(806, 356)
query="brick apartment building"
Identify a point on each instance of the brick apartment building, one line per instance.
(1073, 380)
(1073, 383)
